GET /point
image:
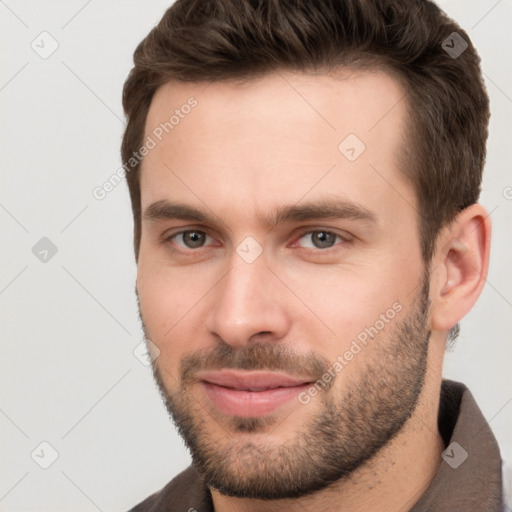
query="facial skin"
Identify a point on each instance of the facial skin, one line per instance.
(243, 154)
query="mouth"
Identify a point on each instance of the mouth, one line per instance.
(250, 393)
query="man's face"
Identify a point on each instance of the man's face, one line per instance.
(280, 276)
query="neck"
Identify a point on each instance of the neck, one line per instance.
(394, 479)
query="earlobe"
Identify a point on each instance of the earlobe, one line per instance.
(461, 261)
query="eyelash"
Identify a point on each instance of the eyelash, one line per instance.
(343, 240)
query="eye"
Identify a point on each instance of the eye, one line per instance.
(320, 239)
(192, 239)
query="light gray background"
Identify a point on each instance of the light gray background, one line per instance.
(68, 373)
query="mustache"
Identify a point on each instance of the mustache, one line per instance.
(258, 356)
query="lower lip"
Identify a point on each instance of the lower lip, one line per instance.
(250, 404)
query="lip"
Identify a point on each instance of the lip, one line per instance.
(250, 393)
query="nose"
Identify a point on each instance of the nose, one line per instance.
(248, 305)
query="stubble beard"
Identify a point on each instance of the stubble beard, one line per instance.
(342, 433)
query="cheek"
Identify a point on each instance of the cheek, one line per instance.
(166, 293)
(345, 304)
(167, 298)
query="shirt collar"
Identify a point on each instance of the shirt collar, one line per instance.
(470, 476)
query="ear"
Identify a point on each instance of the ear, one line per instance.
(459, 267)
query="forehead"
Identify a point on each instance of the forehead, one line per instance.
(281, 136)
(349, 99)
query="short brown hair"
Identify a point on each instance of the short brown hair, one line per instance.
(448, 107)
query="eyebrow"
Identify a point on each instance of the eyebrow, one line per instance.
(317, 210)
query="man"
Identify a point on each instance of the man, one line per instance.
(304, 179)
